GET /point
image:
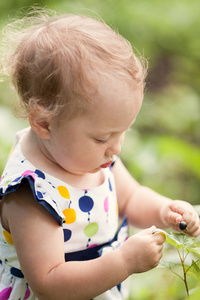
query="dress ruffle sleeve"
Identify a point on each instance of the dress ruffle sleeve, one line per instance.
(18, 172)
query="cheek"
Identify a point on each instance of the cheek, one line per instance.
(122, 138)
(82, 152)
(93, 153)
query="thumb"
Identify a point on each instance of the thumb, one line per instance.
(148, 231)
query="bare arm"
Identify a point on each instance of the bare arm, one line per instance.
(145, 207)
(39, 242)
(140, 203)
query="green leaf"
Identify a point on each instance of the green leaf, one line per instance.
(180, 240)
(171, 239)
(168, 264)
(187, 241)
(195, 295)
(196, 251)
(194, 271)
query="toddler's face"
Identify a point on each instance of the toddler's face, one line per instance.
(89, 141)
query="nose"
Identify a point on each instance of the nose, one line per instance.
(115, 146)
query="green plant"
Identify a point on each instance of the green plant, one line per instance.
(188, 254)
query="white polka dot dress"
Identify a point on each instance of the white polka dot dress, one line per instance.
(89, 219)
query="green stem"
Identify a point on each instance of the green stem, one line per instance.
(176, 274)
(184, 271)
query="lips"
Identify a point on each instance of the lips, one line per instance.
(106, 165)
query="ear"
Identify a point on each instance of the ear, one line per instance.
(39, 122)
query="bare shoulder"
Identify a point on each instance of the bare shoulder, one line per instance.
(21, 205)
(12, 203)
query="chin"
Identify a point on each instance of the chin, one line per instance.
(94, 170)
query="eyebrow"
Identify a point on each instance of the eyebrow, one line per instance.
(107, 133)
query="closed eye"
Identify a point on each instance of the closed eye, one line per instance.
(101, 141)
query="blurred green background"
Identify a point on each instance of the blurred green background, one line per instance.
(162, 149)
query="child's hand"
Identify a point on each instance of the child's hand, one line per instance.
(176, 211)
(142, 251)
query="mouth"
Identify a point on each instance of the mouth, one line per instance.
(106, 165)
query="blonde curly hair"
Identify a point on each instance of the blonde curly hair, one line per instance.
(56, 61)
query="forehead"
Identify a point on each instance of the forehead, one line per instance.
(115, 105)
(113, 108)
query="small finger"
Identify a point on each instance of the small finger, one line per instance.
(196, 233)
(194, 229)
(175, 218)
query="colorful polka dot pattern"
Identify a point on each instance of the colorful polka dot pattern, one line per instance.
(85, 203)
(86, 206)
(70, 215)
(8, 237)
(5, 294)
(90, 216)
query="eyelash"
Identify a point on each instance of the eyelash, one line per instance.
(101, 141)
